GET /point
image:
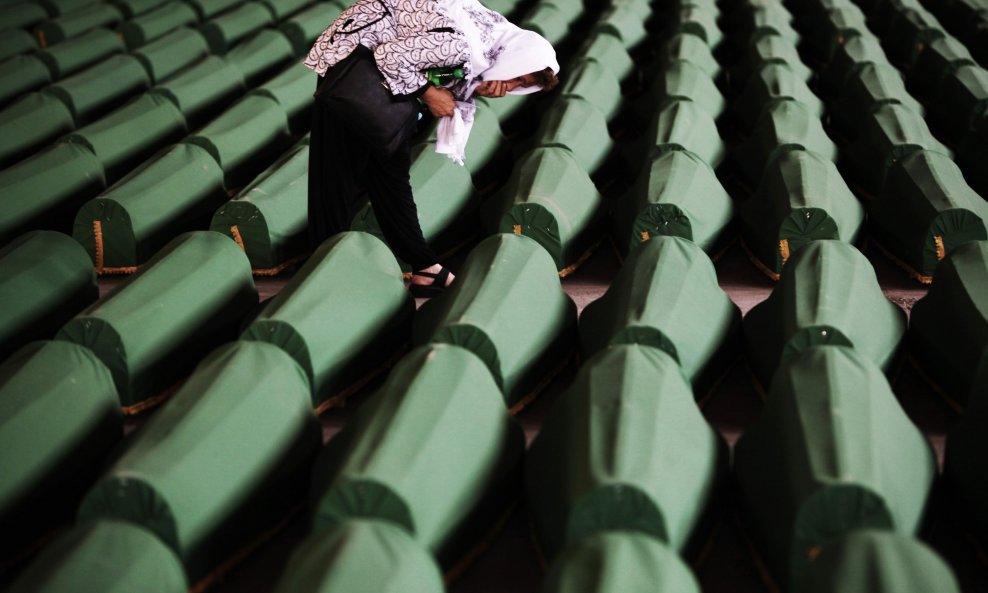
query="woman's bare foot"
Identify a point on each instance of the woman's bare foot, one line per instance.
(424, 280)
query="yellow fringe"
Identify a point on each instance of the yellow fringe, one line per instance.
(481, 547)
(151, 402)
(98, 238)
(530, 397)
(645, 236)
(339, 400)
(237, 237)
(42, 41)
(909, 270)
(579, 261)
(280, 267)
(517, 229)
(784, 250)
(941, 250)
(758, 264)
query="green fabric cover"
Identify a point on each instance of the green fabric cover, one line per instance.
(430, 452)
(836, 26)
(132, 8)
(339, 332)
(550, 198)
(972, 152)
(879, 562)
(832, 452)
(261, 56)
(684, 80)
(624, 21)
(224, 31)
(576, 124)
(15, 42)
(221, 463)
(910, 33)
(207, 9)
(174, 191)
(80, 52)
(248, 134)
(98, 89)
(21, 74)
(927, 197)
(549, 20)
(948, 328)
(848, 58)
(22, 15)
(590, 80)
(58, 8)
(619, 561)
(444, 197)
(940, 59)
(157, 23)
(625, 448)
(666, 296)
(201, 90)
(292, 89)
(128, 136)
(609, 51)
(691, 48)
(158, 323)
(770, 18)
(486, 145)
(46, 190)
(697, 20)
(104, 556)
(772, 49)
(962, 97)
(47, 279)
(801, 198)
(271, 213)
(77, 22)
(686, 125)
(509, 107)
(964, 466)
(676, 194)
(29, 123)
(864, 91)
(773, 83)
(59, 419)
(171, 53)
(281, 9)
(827, 294)
(303, 28)
(783, 125)
(508, 308)
(361, 556)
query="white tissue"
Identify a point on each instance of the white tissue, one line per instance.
(454, 131)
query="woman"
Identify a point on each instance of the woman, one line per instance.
(408, 37)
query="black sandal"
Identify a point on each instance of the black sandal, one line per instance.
(436, 288)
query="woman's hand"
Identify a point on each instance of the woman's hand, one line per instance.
(492, 89)
(439, 101)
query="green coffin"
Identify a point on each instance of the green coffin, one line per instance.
(772, 49)
(684, 80)
(15, 42)
(128, 136)
(47, 279)
(609, 51)
(577, 125)
(292, 89)
(98, 89)
(769, 18)
(173, 192)
(676, 194)
(550, 198)
(508, 308)
(202, 90)
(73, 55)
(625, 448)
(339, 332)
(270, 216)
(684, 46)
(45, 191)
(246, 136)
(827, 294)
(433, 452)
(942, 58)
(625, 21)
(30, 123)
(157, 324)
(619, 561)
(836, 24)
(686, 125)
(801, 198)
(361, 556)
(961, 98)
(878, 562)
(172, 53)
(848, 59)
(782, 126)
(888, 134)
(104, 556)
(59, 419)
(444, 196)
(77, 22)
(283, 8)
(773, 83)
(910, 33)
(926, 211)
(948, 328)
(964, 466)
(666, 296)
(224, 31)
(304, 27)
(132, 8)
(222, 462)
(262, 55)
(22, 15)
(864, 91)
(548, 20)
(696, 19)
(157, 23)
(207, 9)
(21, 74)
(57, 8)
(591, 81)
(486, 147)
(831, 453)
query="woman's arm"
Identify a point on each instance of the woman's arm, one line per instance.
(402, 61)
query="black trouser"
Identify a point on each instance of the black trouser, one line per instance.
(339, 163)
